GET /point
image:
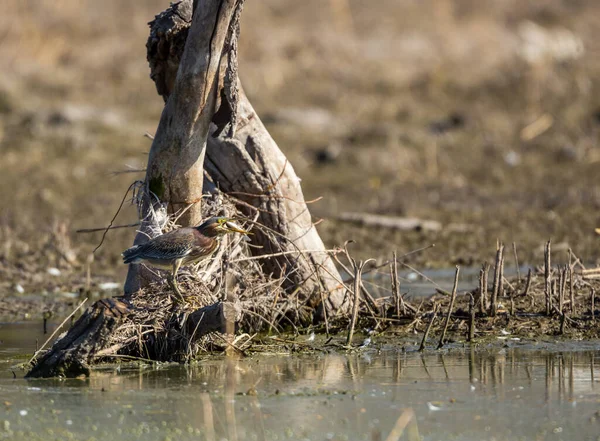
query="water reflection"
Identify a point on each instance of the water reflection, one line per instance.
(495, 394)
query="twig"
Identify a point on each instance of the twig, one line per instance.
(268, 196)
(471, 317)
(113, 227)
(324, 312)
(593, 303)
(282, 253)
(230, 344)
(571, 290)
(190, 340)
(483, 284)
(115, 216)
(516, 261)
(501, 280)
(496, 291)
(398, 300)
(450, 308)
(130, 170)
(357, 266)
(512, 302)
(387, 262)
(271, 186)
(56, 330)
(183, 211)
(562, 287)
(420, 274)
(126, 357)
(435, 312)
(547, 275)
(443, 292)
(527, 283)
(371, 304)
(576, 262)
(369, 300)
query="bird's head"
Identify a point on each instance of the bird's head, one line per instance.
(218, 226)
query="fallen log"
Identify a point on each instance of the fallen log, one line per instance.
(72, 355)
(392, 222)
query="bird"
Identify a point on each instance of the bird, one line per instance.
(182, 246)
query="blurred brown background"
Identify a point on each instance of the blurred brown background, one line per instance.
(482, 115)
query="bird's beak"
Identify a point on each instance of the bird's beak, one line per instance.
(236, 228)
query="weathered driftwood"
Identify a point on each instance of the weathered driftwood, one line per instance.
(245, 162)
(393, 222)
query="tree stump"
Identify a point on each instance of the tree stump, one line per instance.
(208, 125)
(243, 160)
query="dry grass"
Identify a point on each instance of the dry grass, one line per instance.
(155, 330)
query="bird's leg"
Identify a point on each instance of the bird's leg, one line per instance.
(173, 282)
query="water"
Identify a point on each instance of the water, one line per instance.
(492, 394)
(424, 283)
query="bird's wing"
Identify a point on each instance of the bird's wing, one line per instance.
(202, 248)
(170, 246)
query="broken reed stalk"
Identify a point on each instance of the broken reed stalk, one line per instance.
(357, 267)
(112, 227)
(498, 271)
(512, 303)
(435, 312)
(483, 283)
(562, 287)
(571, 290)
(558, 291)
(553, 293)
(471, 317)
(450, 308)
(398, 301)
(517, 261)
(547, 261)
(501, 279)
(593, 303)
(527, 283)
(369, 300)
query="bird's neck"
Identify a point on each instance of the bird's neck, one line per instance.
(208, 233)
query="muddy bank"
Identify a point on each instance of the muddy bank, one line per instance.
(397, 122)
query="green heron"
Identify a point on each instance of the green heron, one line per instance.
(182, 246)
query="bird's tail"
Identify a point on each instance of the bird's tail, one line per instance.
(130, 255)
